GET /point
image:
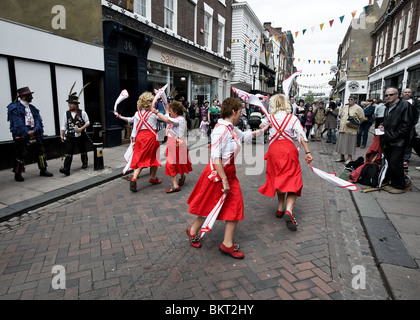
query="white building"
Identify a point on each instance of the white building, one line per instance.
(246, 46)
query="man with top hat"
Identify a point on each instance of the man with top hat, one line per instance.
(27, 129)
(73, 126)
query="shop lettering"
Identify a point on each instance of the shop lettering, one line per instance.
(169, 59)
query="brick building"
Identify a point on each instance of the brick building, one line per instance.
(396, 49)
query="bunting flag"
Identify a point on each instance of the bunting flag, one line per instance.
(331, 23)
(353, 13)
(379, 3)
(341, 19)
(321, 26)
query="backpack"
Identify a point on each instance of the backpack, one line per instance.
(369, 175)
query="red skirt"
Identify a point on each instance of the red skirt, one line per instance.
(206, 194)
(283, 169)
(177, 158)
(146, 152)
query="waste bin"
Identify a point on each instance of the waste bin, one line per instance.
(98, 147)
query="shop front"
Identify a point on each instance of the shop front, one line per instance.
(186, 75)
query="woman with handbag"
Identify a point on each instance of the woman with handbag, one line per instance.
(351, 116)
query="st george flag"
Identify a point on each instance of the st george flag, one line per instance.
(212, 217)
(242, 94)
(287, 83)
(160, 94)
(123, 95)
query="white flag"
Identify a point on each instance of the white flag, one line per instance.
(123, 95)
(287, 83)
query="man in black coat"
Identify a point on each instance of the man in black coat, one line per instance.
(407, 95)
(397, 126)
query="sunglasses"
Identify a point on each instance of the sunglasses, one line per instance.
(390, 95)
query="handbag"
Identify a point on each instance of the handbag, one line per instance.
(352, 123)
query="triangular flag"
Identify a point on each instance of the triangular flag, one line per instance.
(353, 13)
(296, 33)
(312, 29)
(304, 30)
(341, 19)
(331, 23)
(379, 2)
(321, 26)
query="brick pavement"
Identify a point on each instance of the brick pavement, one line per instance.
(115, 244)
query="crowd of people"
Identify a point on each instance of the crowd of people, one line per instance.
(348, 127)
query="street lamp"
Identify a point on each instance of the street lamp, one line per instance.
(254, 67)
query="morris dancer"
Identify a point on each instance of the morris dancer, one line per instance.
(144, 141)
(219, 177)
(177, 155)
(283, 173)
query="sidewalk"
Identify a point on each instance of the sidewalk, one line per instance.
(391, 222)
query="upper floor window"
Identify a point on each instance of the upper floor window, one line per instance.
(140, 7)
(208, 26)
(169, 14)
(408, 28)
(221, 35)
(418, 30)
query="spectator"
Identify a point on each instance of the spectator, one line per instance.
(309, 120)
(407, 95)
(331, 114)
(398, 123)
(379, 112)
(319, 120)
(194, 112)
(347, 136)
(214, 113)
(369, 110)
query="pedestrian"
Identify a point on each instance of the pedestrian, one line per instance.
(73, 132)
(219, 178)
(331, 114)
(319, 120)
(27, 130)
(309, 120)
(214, 113)
(177, 156)
(283, 174)
(378, 115)
(194, 113)
(146, 146)
(351, 116)
(407, 95)
(398, 123)
(293, 106)
(363, 134)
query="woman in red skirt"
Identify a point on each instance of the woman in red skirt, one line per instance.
(177, 155)
(144, 143)
(219, 178)
(283, 173)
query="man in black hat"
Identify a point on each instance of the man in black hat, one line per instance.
(27, 129)
(73, 126)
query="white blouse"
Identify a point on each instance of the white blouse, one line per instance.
(151, 120)
(178, 126)
(223, 144)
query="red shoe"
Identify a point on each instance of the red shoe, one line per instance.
(290, 221)
(133, 185)
(181, 181)
(194, 240)
(279, 214)
(233, 251)
(173, 189)
(155, 181)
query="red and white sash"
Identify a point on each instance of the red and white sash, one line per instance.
(214, 176)
(143, 121)
(281, 129)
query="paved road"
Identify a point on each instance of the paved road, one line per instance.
(114, 244)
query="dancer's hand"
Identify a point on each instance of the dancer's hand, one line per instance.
(226, 187)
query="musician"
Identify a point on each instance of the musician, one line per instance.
(27, 130)
(73, 126)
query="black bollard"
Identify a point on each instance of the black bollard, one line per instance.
(98, 147)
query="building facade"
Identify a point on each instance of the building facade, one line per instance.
(48, 47)
(396, 49)
(148, 44)
(246, 47)
(354, 55)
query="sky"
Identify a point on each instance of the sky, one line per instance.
(297, 15)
